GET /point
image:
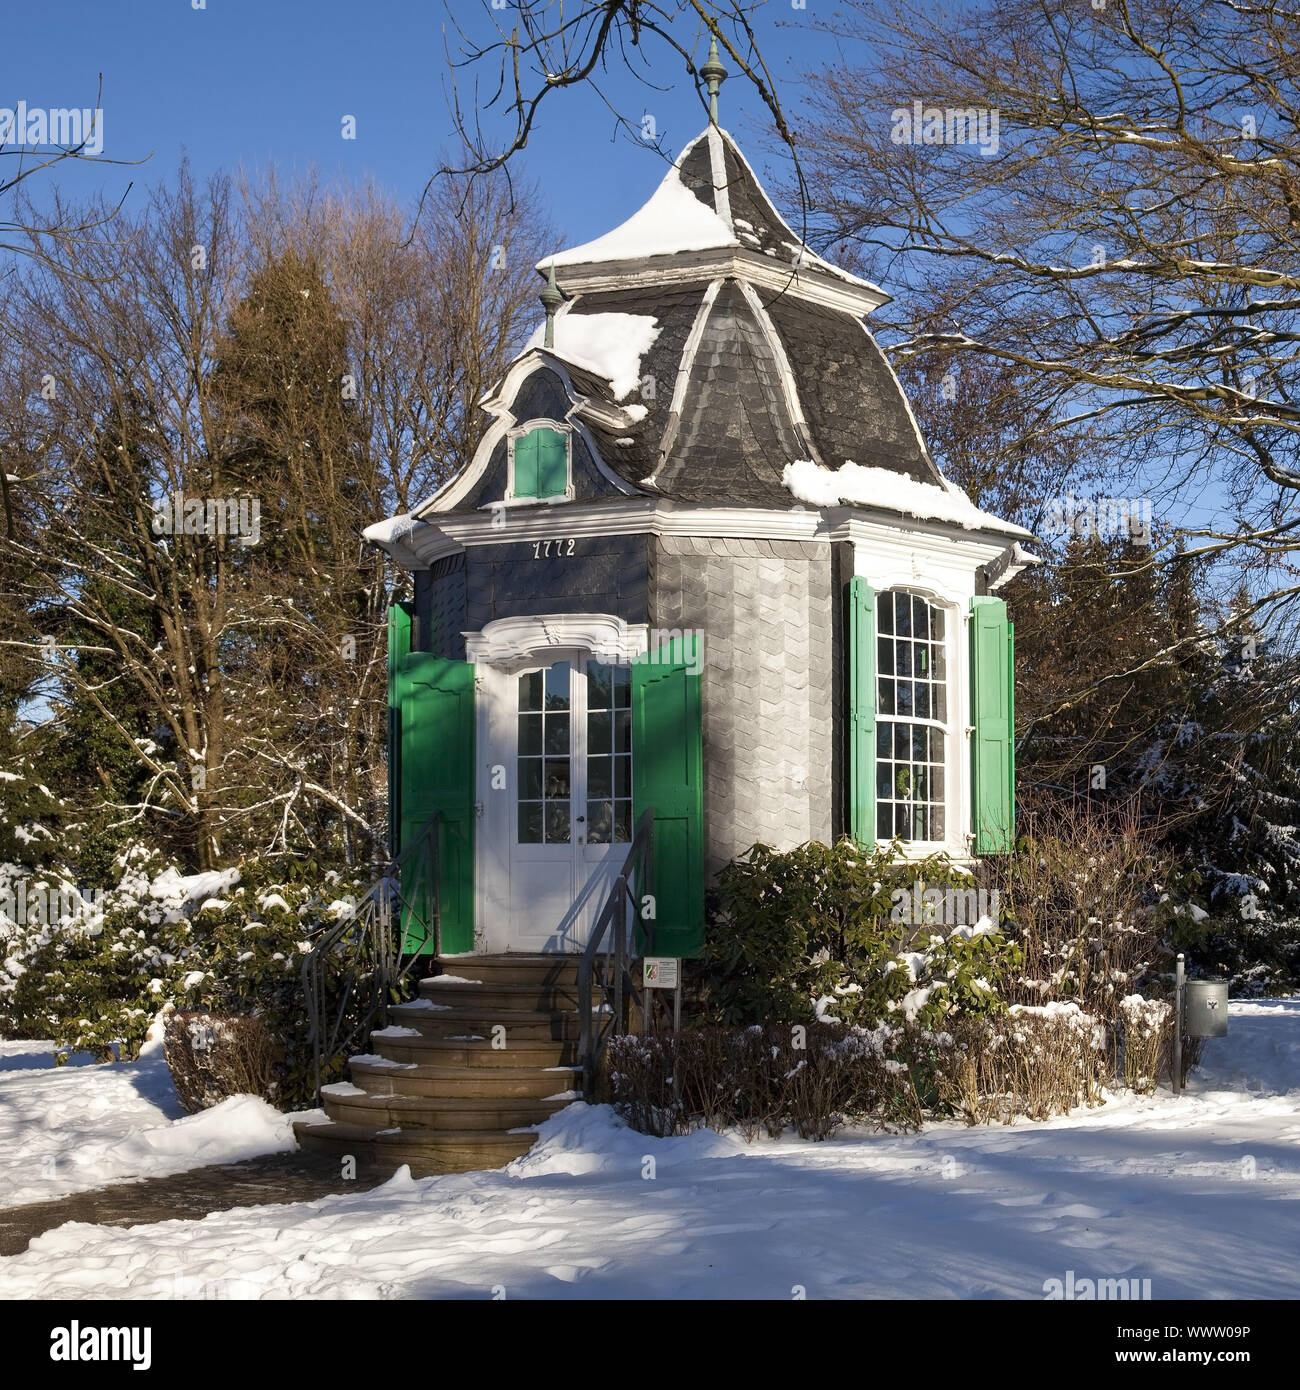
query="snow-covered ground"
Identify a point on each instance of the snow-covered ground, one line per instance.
(79, 1126)
(1200, 1195)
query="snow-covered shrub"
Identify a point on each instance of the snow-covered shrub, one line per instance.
(214, 1056)
(814, 934)
(229, 942)
(1147, 1038)
(1035, 1061)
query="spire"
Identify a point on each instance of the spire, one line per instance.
(552, 297)
(714, 75)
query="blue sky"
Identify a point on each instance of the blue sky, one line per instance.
(257, 81)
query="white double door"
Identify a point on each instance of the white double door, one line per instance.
(559, 820)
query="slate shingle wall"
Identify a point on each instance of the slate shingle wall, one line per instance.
(440, 608)
(605, 574)
(765, 610)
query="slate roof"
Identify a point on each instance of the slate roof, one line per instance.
(762, 355)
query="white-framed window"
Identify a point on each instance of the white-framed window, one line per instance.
(912, 718)
(540, 462)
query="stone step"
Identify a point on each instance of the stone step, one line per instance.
(512, 968)
(427, 1152)
(381, 1077)
(478, 1052)
(532, 996)
(432, 1020)
(348, 1104)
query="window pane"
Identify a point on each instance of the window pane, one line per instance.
(905, 697)
(557, 733)
(557, 779)
(622, 687)
(623, 732)
(557, 822)
(920, 742)
(905, 650)
(884, 780)
(922, 710)
(599, 729)
(623, 822)
(884, 656)
(557, 686)
(623, 776)
(884, 822)
(937, 821)
(886, 697)
(885, 612)
(903, 614)
(902, 741)
(920, 617)
(599, 777)
(600, 822)
(530, 779)
(936, 624)
(530, 733)
(530, 690)
(884, 740)
(530, 822)
(598, 685)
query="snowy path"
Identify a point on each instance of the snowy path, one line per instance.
(76, 1127)
(1201, 1196)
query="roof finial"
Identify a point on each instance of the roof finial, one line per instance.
(715, 75)
(552, 297)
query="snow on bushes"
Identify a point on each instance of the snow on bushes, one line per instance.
(228, 942)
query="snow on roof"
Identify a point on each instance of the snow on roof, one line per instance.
(881, 487)
(393, 528)
(673, 220)
(610, 344)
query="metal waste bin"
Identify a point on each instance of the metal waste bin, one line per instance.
(1205, 1009)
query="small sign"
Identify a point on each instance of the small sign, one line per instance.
(661, 972)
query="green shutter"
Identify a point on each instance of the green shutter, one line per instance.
(552, 463)
(993, 715)
(541, 464)
(437, 774)
(668, 774)
(526, 452)
(399, 648)
(860, 629)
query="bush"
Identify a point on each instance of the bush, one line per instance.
(230, 943)
(213, 1056)
(815, 933)
(1033, 1061)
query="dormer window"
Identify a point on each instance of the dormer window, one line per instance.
(540, 463)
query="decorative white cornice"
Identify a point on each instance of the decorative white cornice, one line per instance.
(507, 642)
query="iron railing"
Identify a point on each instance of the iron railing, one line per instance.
(606, 986)
(368, 948)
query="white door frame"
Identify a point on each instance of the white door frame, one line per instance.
(503, 649)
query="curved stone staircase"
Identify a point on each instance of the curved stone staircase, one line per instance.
(488, 1048)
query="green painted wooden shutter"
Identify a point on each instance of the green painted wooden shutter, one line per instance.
(437, 774)
(552, 463)
(399, 648)
(993, 715)
(668, 774)
(860, 630)
(541, 464)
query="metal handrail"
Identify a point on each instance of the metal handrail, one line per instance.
(372, 949)
(616, 984)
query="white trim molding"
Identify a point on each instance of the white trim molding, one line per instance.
(517, 642)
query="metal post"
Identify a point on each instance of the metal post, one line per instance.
(1179, 980)
(677, 1007)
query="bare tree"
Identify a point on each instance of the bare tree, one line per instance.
(1105, 200)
